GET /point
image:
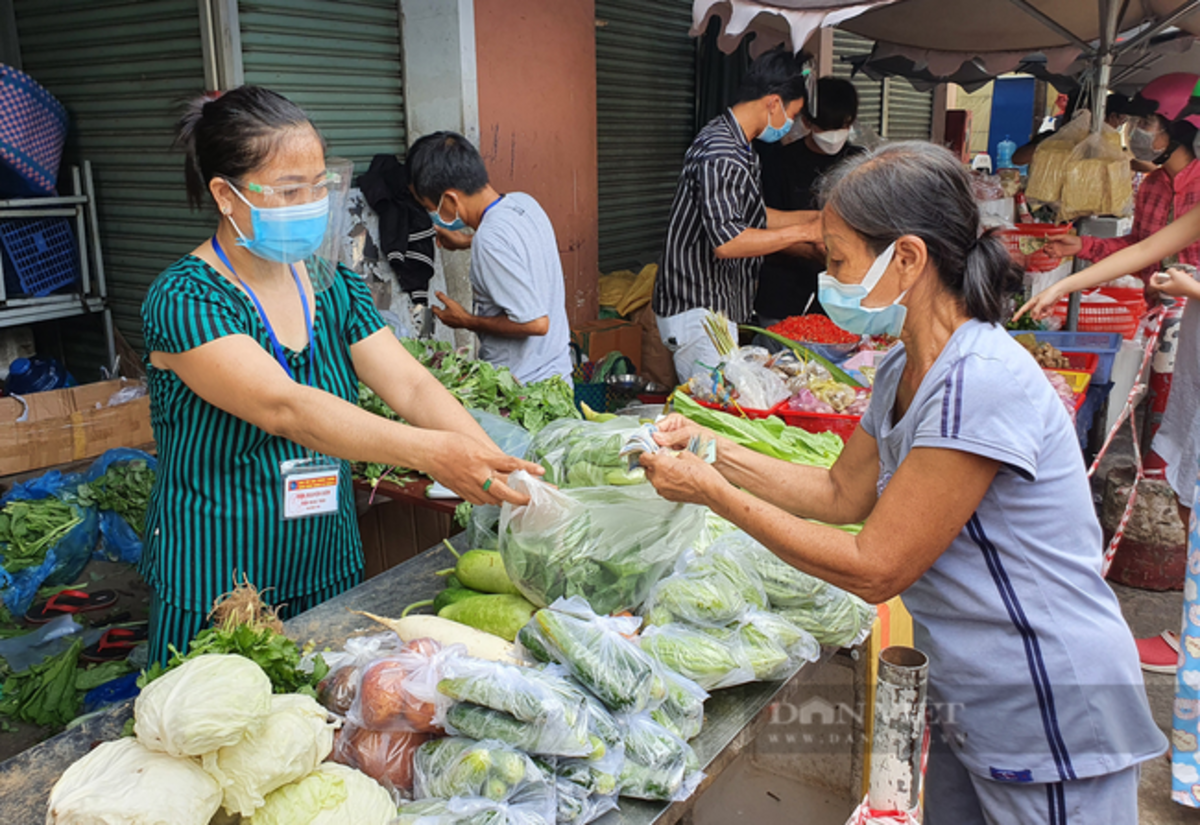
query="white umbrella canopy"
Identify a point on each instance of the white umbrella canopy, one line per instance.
(774, 22)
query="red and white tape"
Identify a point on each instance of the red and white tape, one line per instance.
(1153, 322)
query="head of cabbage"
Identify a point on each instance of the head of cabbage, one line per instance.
(295, 738)
(331, 795)
(207, 703)
(123, 781)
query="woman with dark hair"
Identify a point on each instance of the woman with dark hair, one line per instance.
(976, 508)
(254, 384)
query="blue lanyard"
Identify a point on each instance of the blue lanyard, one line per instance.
(275, 345)
(489, 206)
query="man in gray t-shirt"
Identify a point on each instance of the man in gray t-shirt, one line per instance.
(520, 310)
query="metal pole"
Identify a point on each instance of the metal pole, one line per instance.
(897, 743)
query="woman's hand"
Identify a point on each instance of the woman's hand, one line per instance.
(675, 432)
(1042, 304)
(1176, 282)
(466, 466)
(1067, 246)
(682, 477)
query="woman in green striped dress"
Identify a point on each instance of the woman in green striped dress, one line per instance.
(250, 368)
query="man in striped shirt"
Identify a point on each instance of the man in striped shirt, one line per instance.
(720, 228)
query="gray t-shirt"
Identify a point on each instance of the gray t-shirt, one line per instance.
(1033, 669)
(516, 271)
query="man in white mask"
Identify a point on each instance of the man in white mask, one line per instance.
(790, 172)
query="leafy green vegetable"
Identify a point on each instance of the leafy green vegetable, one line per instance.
(586, 453)
(124, 489)
(51, 693)
(276, 654)
(28, 528)
(769, 436)
(481, 386)
(699, 655)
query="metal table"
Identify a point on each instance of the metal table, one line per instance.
(733, 717)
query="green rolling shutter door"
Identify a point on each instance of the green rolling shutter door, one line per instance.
(339, 60)
(122, 70)
(645, 105)
(908, 113)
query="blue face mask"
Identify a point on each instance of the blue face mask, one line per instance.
(455, 225)
(773, 134)
(285, 234)
(843, 302)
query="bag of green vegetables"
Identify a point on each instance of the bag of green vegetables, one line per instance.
(586, 453)
(608, 545)
(459, 770)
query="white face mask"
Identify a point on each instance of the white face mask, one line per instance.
(831, 142)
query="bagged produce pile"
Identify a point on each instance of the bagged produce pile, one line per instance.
(118, 484)
(744, 378)
(608, 545)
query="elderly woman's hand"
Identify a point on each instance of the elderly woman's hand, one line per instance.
(682, 477)
(675, 431)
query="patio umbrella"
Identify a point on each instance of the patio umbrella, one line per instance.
(942, 35)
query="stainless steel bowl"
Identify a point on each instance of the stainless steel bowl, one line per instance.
(626, 383)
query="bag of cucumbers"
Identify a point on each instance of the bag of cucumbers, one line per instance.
(466, 776)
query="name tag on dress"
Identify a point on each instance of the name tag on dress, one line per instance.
(310, 487)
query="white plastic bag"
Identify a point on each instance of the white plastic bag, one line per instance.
(608, 545)
(585, 453)
(658, 764)
(125, 783)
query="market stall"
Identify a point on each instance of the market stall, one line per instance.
(733, 716)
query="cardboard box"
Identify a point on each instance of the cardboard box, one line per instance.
(49, 428)
(597, 339)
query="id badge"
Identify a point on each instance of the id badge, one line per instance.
(310, 487)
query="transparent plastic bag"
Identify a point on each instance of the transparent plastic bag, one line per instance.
(720, 559)
(763, 633)
(527, 807)
(579, 801)
(483, 527)
(711, 657)
(758, 387)
(339, 687)
(585, 453)
(512, 439)
(400, 692)
(1097, 179)
(457, 767)
(598, 652)
(658, 764)
(703, 597)
(608, 545)
(682, 712)
(385, 756)
(524, 707)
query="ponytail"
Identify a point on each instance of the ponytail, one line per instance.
(231, 135)
(990, 277)
(918, 188)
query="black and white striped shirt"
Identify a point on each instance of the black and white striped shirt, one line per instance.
(719, 197)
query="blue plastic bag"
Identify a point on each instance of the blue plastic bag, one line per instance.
(71, 552)
(119, 541)
(17, 590)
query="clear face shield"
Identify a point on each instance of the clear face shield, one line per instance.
(322, 264)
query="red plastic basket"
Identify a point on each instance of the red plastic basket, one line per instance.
(1039, 261)
(744, 412)
(842, 426)
(1122, 314)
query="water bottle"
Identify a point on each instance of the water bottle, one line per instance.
(28, 375)
(1004, 153)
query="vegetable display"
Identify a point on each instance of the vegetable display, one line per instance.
(768, 436)
(125, 490)
(30, 527)
(51, 692)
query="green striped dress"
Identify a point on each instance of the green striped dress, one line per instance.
(216, 509)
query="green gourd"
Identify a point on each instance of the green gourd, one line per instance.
(500, 614)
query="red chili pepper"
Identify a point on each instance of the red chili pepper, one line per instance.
(813, 328)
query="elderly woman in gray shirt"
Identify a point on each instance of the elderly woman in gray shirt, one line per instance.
(976, 506)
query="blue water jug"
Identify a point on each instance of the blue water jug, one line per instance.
(1004, 153)
(28, 375)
